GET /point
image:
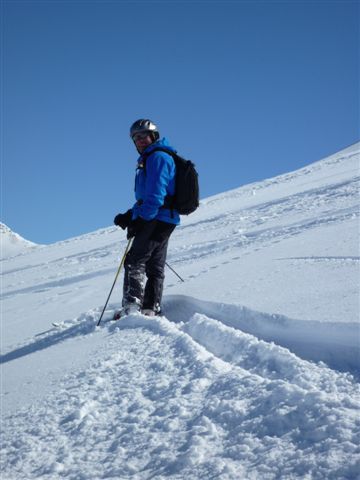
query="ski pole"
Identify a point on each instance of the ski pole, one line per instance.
(116, 277)
(174, 272)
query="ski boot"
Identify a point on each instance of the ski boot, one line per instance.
(152, 312)
(128, 310)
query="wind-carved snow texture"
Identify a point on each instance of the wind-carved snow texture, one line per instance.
(251, 373)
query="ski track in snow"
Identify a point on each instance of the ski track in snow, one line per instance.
(264, 215)
(336, 344)
(188, 400)
(330, 204)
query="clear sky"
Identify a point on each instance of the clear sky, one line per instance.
(246, 89)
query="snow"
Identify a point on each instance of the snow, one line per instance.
(251, 373)
(11, 243)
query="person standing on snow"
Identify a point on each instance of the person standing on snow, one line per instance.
(150, 221)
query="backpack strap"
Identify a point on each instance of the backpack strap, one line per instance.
(158, 149)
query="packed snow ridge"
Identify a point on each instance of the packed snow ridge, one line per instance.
(252, 372)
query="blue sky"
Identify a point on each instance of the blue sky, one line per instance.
(247, 90)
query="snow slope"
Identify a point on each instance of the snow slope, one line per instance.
(252, 372)
(11, 243)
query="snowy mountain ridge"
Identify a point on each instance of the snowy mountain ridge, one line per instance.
(251, 373)
(11, 243)
(329, 165)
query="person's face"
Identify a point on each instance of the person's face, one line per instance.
(142, 140)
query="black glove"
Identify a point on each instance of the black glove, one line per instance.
(135, 226)
(123, 220)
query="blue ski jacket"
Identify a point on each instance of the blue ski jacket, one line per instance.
(153, 183)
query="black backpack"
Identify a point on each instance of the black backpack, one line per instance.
(186, 198)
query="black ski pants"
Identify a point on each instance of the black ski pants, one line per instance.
(147, 257)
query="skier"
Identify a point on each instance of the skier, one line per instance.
(150, 221)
